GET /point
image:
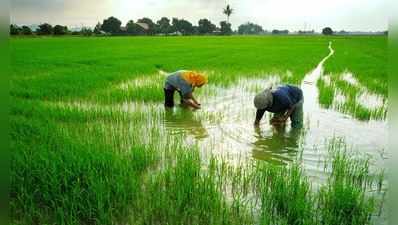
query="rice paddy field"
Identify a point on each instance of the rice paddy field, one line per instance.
(92, 143)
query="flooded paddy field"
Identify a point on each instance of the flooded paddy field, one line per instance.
(99, 147)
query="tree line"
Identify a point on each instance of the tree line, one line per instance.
(143, 26)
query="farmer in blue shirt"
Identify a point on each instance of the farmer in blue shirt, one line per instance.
(284, 101)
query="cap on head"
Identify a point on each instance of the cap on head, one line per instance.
(263, 99)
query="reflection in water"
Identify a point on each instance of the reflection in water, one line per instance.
(182, 120)
(277, 145)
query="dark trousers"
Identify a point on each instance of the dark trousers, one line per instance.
(169, 97)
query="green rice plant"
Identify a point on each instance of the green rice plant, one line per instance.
(54, 179)
(350, 105)
(343, 199)
(326, 93)
(185, 194)
(285, 195)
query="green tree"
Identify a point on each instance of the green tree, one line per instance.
(250, 28)
(14, 29)
(183, 26)
(26, 30)
(97, 28)
(45, 29)
(111, 25)
(86, 31)
(163, 26)
(327, 31)
(206, 27)
(225, 28)
(60, 30)
(228, 12)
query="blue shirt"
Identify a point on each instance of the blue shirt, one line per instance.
(284, 98)
(175, 81)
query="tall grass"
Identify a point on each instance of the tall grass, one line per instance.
(55, 180)
(285, 194)
(326, 93)
(344, 198)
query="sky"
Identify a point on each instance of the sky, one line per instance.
(350, 15)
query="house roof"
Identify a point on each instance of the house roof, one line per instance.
(143, 25)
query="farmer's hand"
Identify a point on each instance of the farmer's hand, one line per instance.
(278, 120)
(196, 106)
(256, 123)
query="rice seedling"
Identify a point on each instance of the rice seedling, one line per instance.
(352, 104)
(56, 180)
(327, 92)
(344, 199)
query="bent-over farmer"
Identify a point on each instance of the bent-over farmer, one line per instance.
(184, 82)
(284, 101)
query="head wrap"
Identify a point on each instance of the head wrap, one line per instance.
(194, 78)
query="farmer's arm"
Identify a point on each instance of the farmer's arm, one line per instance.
(294, 91)
(259, 115)
(194, 99)
(291, 109)
(289, 105)
(288, 113)
(189, 100)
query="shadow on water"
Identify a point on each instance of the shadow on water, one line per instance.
(182, 120)
(278, 145)
(234, 135)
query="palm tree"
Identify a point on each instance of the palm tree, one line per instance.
(228, 11)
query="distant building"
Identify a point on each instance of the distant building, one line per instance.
(306, 32)
(143, 25)
(343, 32)
(177, 33)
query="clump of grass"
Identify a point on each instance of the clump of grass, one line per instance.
(183, 193)
(350, 105)
(285, 195)
(344, 198)
(326, 93)
(56, 180)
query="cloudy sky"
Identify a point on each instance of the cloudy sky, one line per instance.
(352, 15)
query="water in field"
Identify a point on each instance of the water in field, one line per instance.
(225, 127)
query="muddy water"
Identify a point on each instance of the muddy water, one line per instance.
(233, 135)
